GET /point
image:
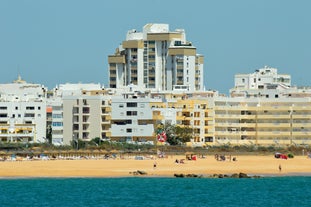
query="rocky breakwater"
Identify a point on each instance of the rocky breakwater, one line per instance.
(234, 175)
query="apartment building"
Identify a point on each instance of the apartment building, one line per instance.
(131, 118)
(55, 120)
(190, 110)
(22, 112)
(263, 83)
(250, 121)
(156, 59)
(79, 112)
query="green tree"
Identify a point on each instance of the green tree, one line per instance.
(176, 135)
(183, 134)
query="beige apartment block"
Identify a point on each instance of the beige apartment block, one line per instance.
(250, 121)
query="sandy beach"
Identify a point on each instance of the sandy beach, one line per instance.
(251, 165)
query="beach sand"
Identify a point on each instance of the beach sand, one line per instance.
(251, 165)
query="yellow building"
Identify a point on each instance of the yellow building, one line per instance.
(186, 110)
(262, 121)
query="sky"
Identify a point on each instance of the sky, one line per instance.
(68, 41)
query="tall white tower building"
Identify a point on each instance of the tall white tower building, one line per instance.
(157, 59)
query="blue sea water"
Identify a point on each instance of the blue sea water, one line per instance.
(140, 191)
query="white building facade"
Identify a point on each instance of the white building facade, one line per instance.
(157, 59)
(264, 83)
(22, 112)
(131, 119)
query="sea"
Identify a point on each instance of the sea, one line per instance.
(155, 191)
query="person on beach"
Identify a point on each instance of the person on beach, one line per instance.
(154, 165)
(280, 168)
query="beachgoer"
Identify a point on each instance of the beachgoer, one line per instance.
(154, 165)
(280, 168)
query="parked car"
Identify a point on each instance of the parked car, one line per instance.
(280, 156)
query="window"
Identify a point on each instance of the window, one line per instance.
(86, 110)
(131, 104)
(129, 130)
(121, 106)
(29, 115)
(131, 113)
(57, 124)
(128, 121)
(3, 108)
(57, 116)
(30, 108)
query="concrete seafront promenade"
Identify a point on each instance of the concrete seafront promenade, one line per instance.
(166, 167)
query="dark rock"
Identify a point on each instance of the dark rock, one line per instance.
(243, 175)
(256, 176)
(140, 172)
(179, 175)
(191, 175)
(235, 175)
(215, 175)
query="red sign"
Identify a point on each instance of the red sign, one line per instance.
(162, 137)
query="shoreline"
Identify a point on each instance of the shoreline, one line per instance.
(152, 176)
(263, 166)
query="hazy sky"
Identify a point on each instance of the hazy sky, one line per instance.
(59, 41)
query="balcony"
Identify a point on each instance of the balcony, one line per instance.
(301, 116)
(273, 116)
(234, 116)
(105, 128)
(105, 121)
(303, 125)
(273, 133)
(227, 124)
(106, 110)
(208, 118)
(113, 75)
(273, 125)
(302, 133)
